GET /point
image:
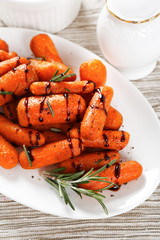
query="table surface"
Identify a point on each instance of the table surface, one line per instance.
(143, 222)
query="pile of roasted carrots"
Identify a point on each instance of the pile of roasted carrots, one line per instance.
(57, 119)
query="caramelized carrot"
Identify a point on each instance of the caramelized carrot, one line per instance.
(51, 153)
(114, 119)
(53, 137)
(118, 174)
(60, 127)
(11, 63)
(8, 154)
(16, 134)
(42, 88)
(86, 161)
(95, 115)
(46, 70)
(17, 82)
(42, 46)
(3, 45)
(36, 111)
(7, 55)
(10, 110)
(93, 70)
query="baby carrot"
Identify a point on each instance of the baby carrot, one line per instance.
(46, 70)
(6, 55)
(16, 134)
(8, 154)
(51, 109)
(42, 88)
(53, 136)
(118, 174)
(11, 63)
(10, 110)
(3, 45)
(86, 161)
(51, 153)
(93, 70)
(95, 115)
(114, 119)
(16, 82)
(42, 46)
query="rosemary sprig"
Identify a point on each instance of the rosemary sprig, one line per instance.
(57, 130)
(5, 93)
(62, 76)
(26, 152)
(50, 108)
(61, 181)
(67, 89)
(99, 161)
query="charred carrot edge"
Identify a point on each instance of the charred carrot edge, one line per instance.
(10, 110)
(4, 45)
(93, 70)
(8, 154)
(7, 55)
(42, 88)
(16, 134)
(114, 119)
(17, 82)
(95, 115)
(42, 46)
(51, 153)
(51, 137)
(118, 174)
(36, 110)
(86, 161)
(46, 70)
(11, 63)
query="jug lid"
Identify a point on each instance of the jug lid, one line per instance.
(134, 10)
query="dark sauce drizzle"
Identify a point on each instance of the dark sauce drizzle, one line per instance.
(77, 167)
(30, 135)
(71, 147)
(102, 99)
(79, 108)
(26, 111)
(106, 140)
(106, 157)
(68, 112)
(84, 87)
(122, 137)
(48, 86)
(117, 170)
(37, 139)
(29, 151)
(41, 108)
(26, 71)
(115, 188)
(9, 111)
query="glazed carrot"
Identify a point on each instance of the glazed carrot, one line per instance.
(42, 88)
(114, 119)
(118, 174)
(53, 137)
(113, 140)
(37, 110)
(16, 82)
(7, 55)
(8, 154)
(86, 161)
(10, 110)
(95, 115)
(46, 70)
(93, 70)
(11, 63)
(42, 46)
(16, 134)
(51, 153)
(3, 45)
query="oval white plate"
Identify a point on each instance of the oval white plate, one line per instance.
(139, 119)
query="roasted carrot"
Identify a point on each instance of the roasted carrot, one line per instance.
(3, 45)
(6, 55)
(118, 174)
(16, 134)
(8, 154)
(46, 70)
(53, 136)
(42, 46)
(95, 115)
(114, 119)
(16, 82)
(113, 140)
(42, 88)
(51, 109)
(10, 110)
(86, 161)
(93, 70)
(51, 153)
(11, 63)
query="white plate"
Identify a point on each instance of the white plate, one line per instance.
(139, 119)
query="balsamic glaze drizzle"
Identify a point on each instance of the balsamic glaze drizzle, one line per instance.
(68, 112)
(77, 167)
(79, 108)
(106, 157)
(26, 109)
(30, 139)
(84, 87)
(117, 170)
(29, 151)
(106, 140)
(48, 86)
(123, 137)
(102, 99)
(71, 146)
(37, 139)
(41, 108)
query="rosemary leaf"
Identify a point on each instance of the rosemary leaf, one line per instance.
(67, 89)
(26, 152)
(55, 130)
(62, 76)
(5, 93)
(99, 161)
(50, 108)
(56, 73)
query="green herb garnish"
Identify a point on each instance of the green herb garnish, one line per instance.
(99, 161)
(72, 180)
(26, 152)
(62, 76)
(55, 130)
(50, 108)
(43, 58)
(5, 93)
(67, 89)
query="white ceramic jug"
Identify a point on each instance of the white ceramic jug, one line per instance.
(128, 33)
